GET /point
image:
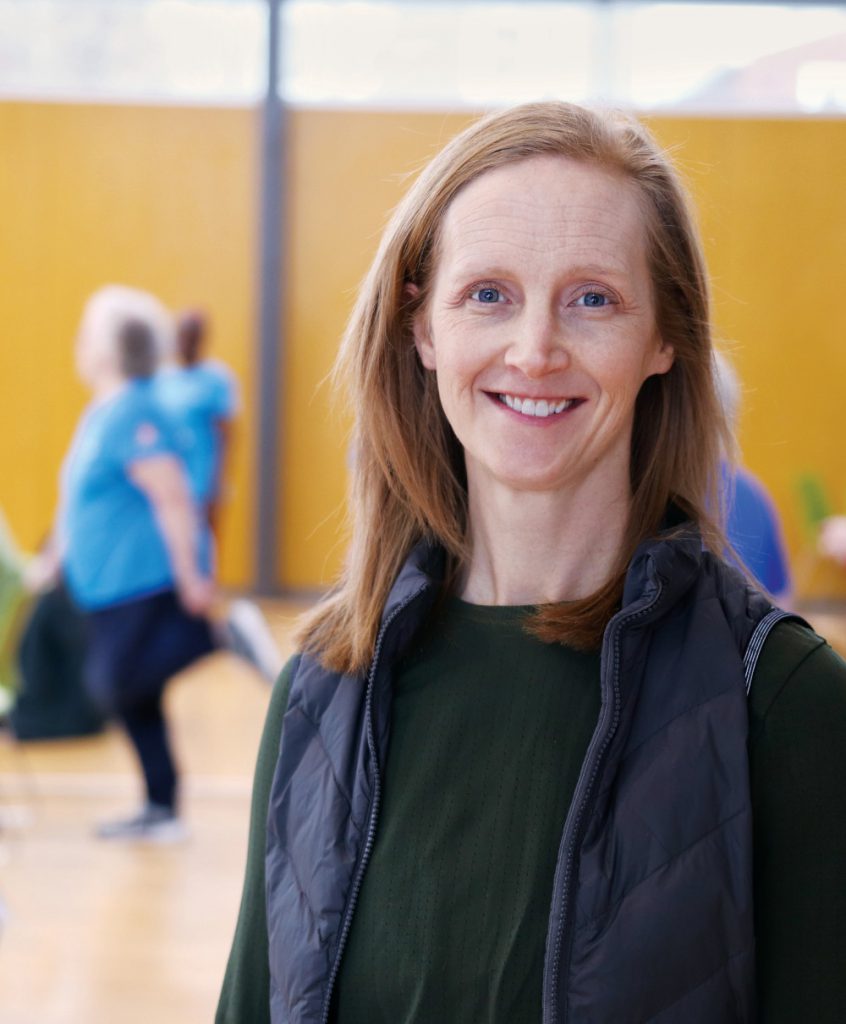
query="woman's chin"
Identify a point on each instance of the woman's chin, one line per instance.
(523, 477)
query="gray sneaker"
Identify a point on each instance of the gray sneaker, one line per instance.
(153, 824)
(245, 632)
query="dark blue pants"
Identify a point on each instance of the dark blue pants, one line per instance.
(133, 649)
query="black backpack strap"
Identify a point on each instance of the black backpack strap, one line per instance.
(758, 638)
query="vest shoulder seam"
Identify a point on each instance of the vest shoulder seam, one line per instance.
(762, 714)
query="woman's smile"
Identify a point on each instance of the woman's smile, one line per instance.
(539, 409)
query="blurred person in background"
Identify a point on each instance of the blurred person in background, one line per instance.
(542, 754)
(753, 525)
(129, 544)
(201, 396)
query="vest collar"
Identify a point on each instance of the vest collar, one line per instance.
(670, 563)
(424, 568)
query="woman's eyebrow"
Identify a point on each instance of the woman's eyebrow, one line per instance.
(478, 267)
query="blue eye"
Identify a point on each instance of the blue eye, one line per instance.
(596, 300)
(487, 295)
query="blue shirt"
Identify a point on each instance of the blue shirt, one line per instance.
(113, 550)
(197, 398)
(754, 530)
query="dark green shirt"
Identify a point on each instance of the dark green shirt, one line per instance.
(489, 729)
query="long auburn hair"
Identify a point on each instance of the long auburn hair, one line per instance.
(409, 479)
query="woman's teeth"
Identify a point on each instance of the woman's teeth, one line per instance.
(539, 407)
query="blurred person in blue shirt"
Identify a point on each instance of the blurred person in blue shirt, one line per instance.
(753, 527)
(201, 396)
(129, 539)
(129, 543)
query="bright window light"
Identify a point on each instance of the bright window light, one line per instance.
(707, 57)
(425, 53)
(821, 85)
(160, 51)
(721, 57)
(712, 58)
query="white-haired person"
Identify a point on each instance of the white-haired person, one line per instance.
(129, 544)
(542, 756)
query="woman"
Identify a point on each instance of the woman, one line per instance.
(129, 543)
(134, 551)
(514, 775)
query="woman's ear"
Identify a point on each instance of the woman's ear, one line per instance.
(421, 329)
(663, 358)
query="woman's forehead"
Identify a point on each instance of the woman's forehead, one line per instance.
(546, 206)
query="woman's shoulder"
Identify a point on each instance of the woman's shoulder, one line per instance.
(272, 732)
(799, 673)
(282, 686)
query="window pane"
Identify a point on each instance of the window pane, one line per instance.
(715, 57)
(435, 52)
(195, 51)
(757, 58)
(709, 57)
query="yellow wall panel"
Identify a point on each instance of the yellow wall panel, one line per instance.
(346, 172)
(163, 199)
(773, 213)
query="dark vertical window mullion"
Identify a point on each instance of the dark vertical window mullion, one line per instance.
(271, 337)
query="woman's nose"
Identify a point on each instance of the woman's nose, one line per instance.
(538, 346)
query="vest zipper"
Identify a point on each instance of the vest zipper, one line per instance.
(374, 806)
(558, 944)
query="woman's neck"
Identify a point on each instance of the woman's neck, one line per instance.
(542, 547)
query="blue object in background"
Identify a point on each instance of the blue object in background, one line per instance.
(197, 398)
(754, 530)
(112, 547)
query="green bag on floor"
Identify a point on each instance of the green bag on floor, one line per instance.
(13, 602)
(52, 701)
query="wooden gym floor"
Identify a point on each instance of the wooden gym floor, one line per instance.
(113, 933)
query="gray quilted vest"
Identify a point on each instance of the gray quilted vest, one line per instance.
(651, 910)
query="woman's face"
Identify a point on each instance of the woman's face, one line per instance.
(540, 324)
